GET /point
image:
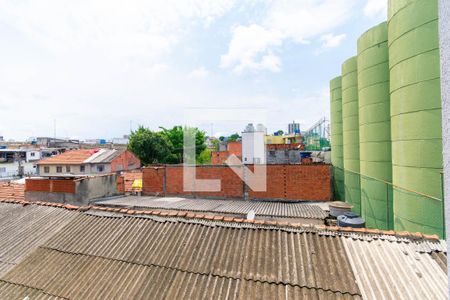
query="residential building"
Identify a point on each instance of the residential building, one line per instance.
(253, 145)
(87, 162)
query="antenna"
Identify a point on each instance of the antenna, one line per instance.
(54, 129)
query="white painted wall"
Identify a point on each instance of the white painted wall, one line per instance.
(253, 147)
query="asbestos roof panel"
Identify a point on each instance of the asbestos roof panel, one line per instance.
(76, 276)
(268, 209)
(273, 256)
(23, 229)
(13, 291)
(103, 156)
(395, 270)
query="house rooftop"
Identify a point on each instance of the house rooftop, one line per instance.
(101, 252)
(82, 156)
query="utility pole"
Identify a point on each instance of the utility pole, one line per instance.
(444, 39)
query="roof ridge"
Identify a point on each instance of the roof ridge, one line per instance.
(227, 219)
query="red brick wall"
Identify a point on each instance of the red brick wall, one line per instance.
(37, 185)
(235, 148)
(174, 182)
(284, 182)
(153, 180)
(127, 160)
(121, 184)
(231, 186)
(297, 182)
(50, 185)
(219, 157)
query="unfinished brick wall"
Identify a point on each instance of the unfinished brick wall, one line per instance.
(121, 184)
(153, 180)
(297, 182)
(231, 186)
(284, 182)
(219, 157)
(50, 185)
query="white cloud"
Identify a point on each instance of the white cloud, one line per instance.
(246, 47)
(199, 73)
(296, 20)
(375, 8)
(332, 41)
(142, 31)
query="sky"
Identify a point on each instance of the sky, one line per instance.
(98, 68)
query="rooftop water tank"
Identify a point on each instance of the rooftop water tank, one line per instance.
(350, 219)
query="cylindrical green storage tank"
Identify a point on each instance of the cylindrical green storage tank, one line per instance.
(416, 115)
(337, 159)
(375, 128)
(350, 124)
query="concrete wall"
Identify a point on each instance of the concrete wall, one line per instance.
(444, 37)
(77, 192)
(283, 156)
(96, 187)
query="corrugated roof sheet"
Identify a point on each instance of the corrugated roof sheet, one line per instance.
(269, 209)
(393, 270)
(250, 254)
(23, 229)
(145, 256)
(13, 291)
(103, 156)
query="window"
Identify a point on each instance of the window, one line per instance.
(32, 154)
(67, 169)
(100, 168)
(46, 169)
(2, 170)
(58, 169)
(82, 169)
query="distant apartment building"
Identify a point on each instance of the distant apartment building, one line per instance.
(293, 128)
(88, 162)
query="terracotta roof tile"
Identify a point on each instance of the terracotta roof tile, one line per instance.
(74, 157)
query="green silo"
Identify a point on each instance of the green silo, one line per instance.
(336, 137)
(416, 115)
(350, 124)
(375, 128)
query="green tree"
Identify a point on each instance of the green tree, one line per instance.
(233, 137)
(176, 137)
(280, 132)
(204, 157)
(149, 146)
